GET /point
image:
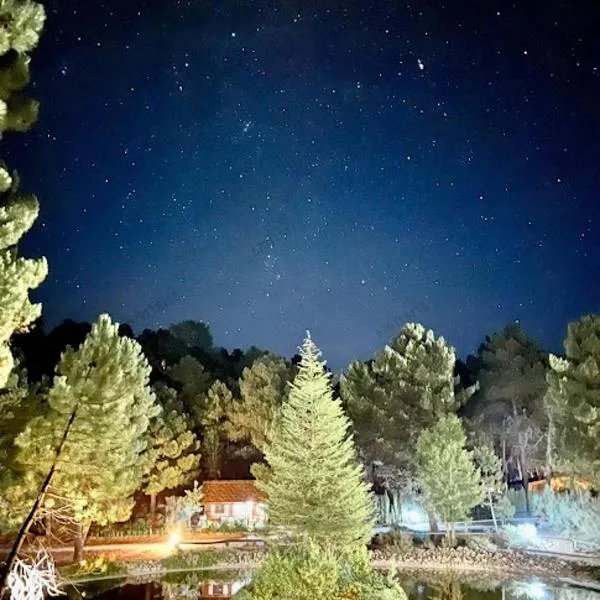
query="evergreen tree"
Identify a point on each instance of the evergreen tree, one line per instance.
(216, 410)
(315, 485)
(573, 401)
(194, 334)
(263, 387)
(174, 452)
(102, 391)
(509, 405)
(403, 390)
(19, 403)
(22, 22)
(193, 382)
(449, 478)
(493, 480)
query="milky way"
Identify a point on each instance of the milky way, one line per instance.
(276, 167)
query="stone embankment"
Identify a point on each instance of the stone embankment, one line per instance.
(500, 562)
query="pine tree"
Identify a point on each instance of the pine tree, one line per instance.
(315, 485)
(404, 389)
(22, 22)
(449, 478)
(174, 452)
(194, 334)
(101, 389)
(19, 403)
(492, 478)
(193, 382)
(263, 387)
(573, 400)
(509, 405)
(217, 407)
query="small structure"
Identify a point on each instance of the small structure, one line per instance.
(220, 590)
(235, 501)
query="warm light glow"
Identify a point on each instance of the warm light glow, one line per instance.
(174, 539)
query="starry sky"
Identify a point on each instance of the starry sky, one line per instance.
(343, 167)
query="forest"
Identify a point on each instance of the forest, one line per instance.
(181, 410)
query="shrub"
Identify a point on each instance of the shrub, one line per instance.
(231, 527)
(100, 566)
(482, 543)
(514, 536)
(307, 571)
(396, 540)
(571, 514)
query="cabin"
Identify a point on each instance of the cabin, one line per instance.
(234, 502)
(219, 590)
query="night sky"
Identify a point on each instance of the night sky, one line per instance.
(272, 167)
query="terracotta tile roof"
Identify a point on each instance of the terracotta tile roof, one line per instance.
(239, 490)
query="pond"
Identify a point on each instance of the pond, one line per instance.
(222, 585)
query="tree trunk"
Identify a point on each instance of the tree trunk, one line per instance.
(152, 515)
(433, 527)
(39, 499)
(504, 463)
(48, 527)
(525, 482)
(491, 501)
(78, 543)
(451, 535)
(549, 440)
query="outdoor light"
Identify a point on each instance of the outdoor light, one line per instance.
(529, 531)
(174, 539)
(534, 590)
(413, 515)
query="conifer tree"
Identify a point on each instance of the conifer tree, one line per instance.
(102, 390)
(573, 401)
(509, 405)
(194, 334)
(193, 381)
(174, 454)
(263, 387)
(403, 390)
(449, 478)
(22, 22)
(314, 485)
(216, 409)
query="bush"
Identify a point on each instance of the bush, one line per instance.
(396, 540)
(130, 528)
(100, 567)
(232, 527)
(482, 543)
(571, 514)
(514, 536)
(307, 571)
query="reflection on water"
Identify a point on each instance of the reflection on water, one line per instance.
(223, 585)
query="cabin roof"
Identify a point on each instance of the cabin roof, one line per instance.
(237, 490)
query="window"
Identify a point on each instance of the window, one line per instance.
(218, 509)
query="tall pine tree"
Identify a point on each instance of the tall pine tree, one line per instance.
(174, 454)
(22, 22)
(573, 401)
(315, 485)
(264, 387)
(403, 390)
(451, 482)
(102, 389)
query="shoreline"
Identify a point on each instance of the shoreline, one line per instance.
(501, 566)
